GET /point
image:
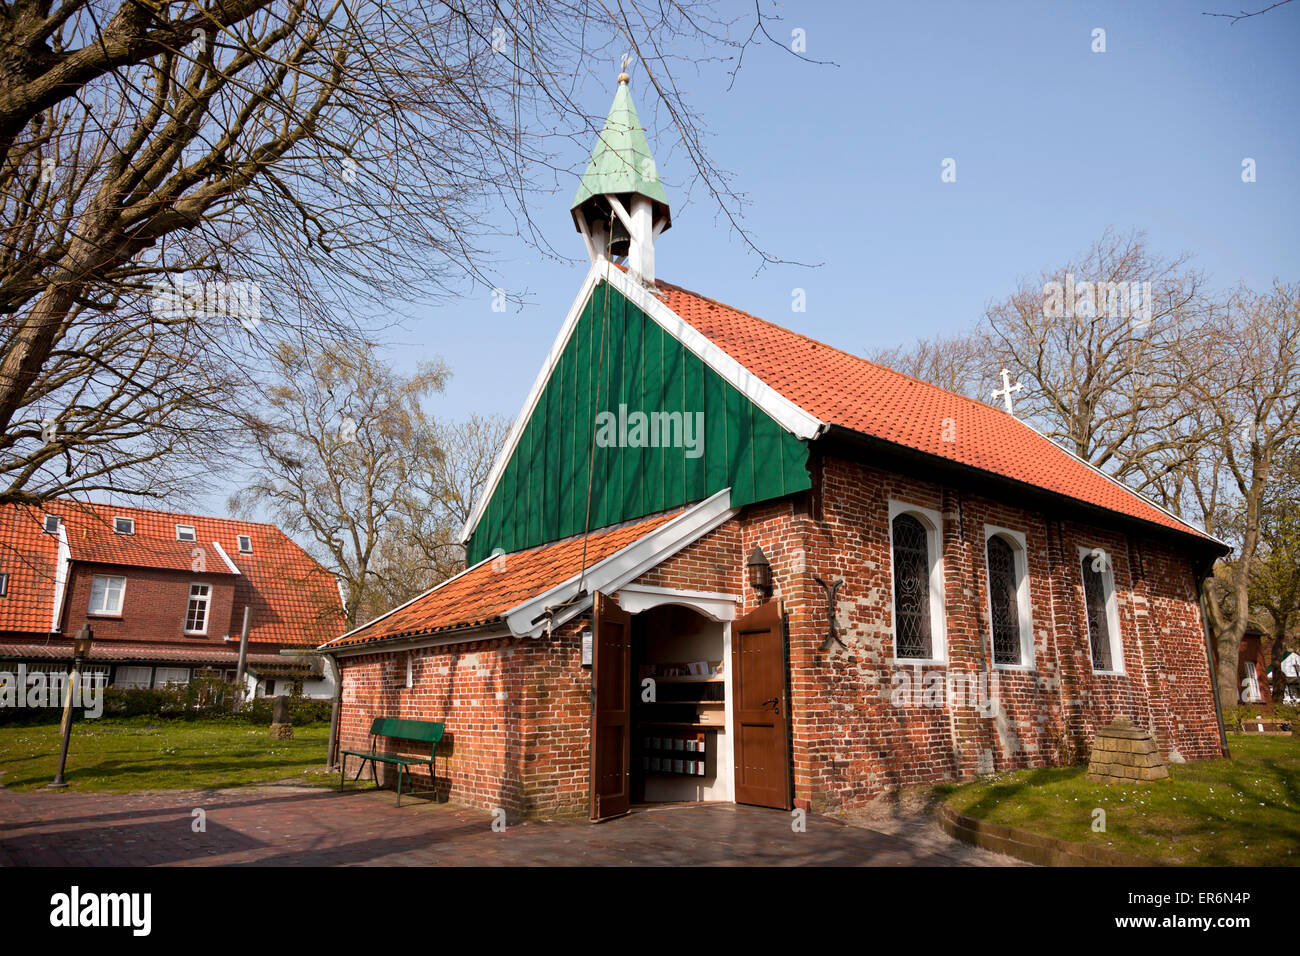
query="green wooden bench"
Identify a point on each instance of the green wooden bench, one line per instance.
(394, 728)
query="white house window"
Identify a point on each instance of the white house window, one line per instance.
(124, 525)
(1010, 616)
(245, 544)
(1102, 611)
(106, 593)
(185, 532)
(133, 677)
(196, 614)
(51, 524)
(916, 545)
(165, 676)
(4, 584)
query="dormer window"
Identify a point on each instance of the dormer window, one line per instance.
(124, 525)
(245, 544)
(51, 524)
(185, 532)
(4, 583)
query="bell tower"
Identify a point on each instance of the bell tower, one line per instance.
(621, 208)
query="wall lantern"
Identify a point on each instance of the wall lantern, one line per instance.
(760, 571)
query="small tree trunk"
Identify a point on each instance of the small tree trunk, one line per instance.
(1278, 684)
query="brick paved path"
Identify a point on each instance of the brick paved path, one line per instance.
(299, 826)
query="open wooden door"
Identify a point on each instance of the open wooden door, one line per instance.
(761, 708)
(611, 731)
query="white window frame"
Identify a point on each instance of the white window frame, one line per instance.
(133, 668)
(4, 584)
(239, 543)
(1112, 609)
(932, 521)
(207, 607)
(1020, 551)
(193, 534)
(159, 680)
(121, 596)
(130, 522)
(45, 526)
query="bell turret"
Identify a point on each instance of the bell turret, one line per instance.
(621, 208)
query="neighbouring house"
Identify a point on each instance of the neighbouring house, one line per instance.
(718, 560)
(164, 595)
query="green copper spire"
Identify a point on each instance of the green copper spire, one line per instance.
(621, 162)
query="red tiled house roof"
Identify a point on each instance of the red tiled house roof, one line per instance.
(849, 391)
(483, 594)
(294, 599)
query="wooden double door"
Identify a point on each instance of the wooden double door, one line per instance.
(760, 709)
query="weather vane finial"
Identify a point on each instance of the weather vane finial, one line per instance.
(622, 76)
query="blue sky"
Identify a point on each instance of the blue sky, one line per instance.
(1052, 143)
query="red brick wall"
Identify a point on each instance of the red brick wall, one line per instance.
(516, 715)
(518, 709)
(153, 606)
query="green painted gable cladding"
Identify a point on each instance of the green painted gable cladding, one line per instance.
(542, 493)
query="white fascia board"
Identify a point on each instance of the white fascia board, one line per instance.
(62, 561)
(622, 566)
(225, 557)
(594, 274)
(783, 411)
(361, 627)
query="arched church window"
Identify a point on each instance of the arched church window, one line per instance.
(1004, 601)
(912, 626)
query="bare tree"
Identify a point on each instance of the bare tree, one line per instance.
(1247, 386)
(1096, 344)
(443, 493)
(952, 362)
(1275, 582)
(315, 161)
(342, 439)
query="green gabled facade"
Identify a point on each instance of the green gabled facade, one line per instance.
(541, 494)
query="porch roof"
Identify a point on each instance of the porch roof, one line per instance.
(486, 592)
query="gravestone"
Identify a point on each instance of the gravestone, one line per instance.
(281, 725)
(1123, 753)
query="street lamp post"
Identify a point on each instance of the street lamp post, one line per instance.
(80, 651)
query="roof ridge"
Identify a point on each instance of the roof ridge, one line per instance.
(1179, 523)
(835, 348)
(98, 505)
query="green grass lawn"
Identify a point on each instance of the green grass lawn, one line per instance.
(1215, 812)
(141, 754)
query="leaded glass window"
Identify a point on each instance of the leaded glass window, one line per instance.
(1094, 599)
(1004, 601)
(911, 588)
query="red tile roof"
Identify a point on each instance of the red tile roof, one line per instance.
(846, 390)
(294, 599)
(484, 593)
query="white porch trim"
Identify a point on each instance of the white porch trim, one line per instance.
(621, 567)
(715, 605)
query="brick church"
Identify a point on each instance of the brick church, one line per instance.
(719, 561)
